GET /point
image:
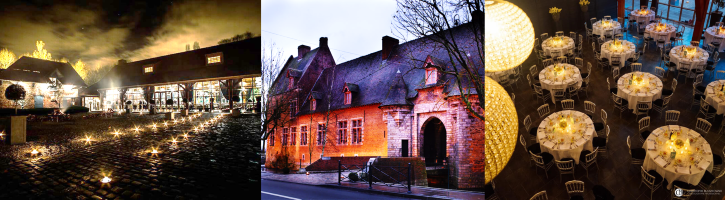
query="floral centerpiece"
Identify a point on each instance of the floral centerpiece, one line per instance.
(643, 11)
(556, 41)
(661, 27)
(689, 51)
(555, 12)
(584, 4)
(721, 30)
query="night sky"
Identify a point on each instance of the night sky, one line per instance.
(102, 32)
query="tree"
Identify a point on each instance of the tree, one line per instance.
(196, 45)
(238, 37)
(40, 52)
(80, 68)
(435, 20)
(275, 108)
(7, 58)
(15, 92)
(187, 47)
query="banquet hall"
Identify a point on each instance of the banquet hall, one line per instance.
(620, 99)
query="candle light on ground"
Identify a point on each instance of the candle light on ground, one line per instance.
(34, 152)
(106, 179)
(116, 133)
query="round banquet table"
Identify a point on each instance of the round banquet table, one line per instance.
(566, 142)
(566, 44)
(642, 18)
(648, 89)
(711, 35)
(715, 96)
(551, 80)
(687, 166)
(698, 60)
(626, 52)
(598, 29)
(666, 33)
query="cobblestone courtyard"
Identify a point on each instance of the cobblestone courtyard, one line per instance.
(220, 161)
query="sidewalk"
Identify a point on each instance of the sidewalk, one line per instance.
(330, 180)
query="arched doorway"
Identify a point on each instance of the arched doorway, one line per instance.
(434, 142)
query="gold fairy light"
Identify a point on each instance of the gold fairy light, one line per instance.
(501, 128)
(509, 36)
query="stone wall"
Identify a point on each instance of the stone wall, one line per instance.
(31, 90)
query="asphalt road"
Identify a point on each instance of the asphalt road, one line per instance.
(293, 191)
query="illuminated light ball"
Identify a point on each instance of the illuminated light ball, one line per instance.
(509, 36)
(501, 128)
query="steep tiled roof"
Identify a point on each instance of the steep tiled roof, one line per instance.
(35, 70)
(397, 93)
(295, 66)
(238, 58)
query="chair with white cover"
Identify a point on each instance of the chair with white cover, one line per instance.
(705, 109)
(543, 110)
(566, 166)
(540, 196)
(660, 105)
(636, 67)
(567, 104)
(703, 126)
(660, 73)
(672, 117)
(587, 158)
(620, 103)
(643, 108)
(543, 161)
(575, 189)
(637, 154)
(651, 179)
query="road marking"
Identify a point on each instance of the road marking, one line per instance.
(279, 195)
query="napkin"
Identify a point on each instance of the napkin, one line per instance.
(548, 144)
(580, 142)
(657, 133)
(703, 165)
(651, 145)
(708, 150)
(685, 170)
(660, 161)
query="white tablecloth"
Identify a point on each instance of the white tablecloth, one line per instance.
(642, 19)
(665, 34)
(550, 80)
(711, 35)
(700, 59)
(634, 93)
(597, 28)
(567, 44)
(686, 172)
(716, 100)
(627, 52)
(558, 143)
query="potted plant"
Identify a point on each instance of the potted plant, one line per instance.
(128, 107)
(555, 13)
(152, 109)
(584, 4)
(15, 93)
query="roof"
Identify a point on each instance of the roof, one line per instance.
(376, 80)
(315, 95)
(292, 66)
(238, 59)
(36, 70)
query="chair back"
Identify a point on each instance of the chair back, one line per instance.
(565, 167)
(637, 67)
(672, 116)
(537, 159)
(703, 126)
(561, 59)
(615, 74)
(603, 115)
(522, 140)
(558, 93)
(644, 105)
(644, 123)
(548, 62)
(615, 59)
(704, 106)
(528, 77)
(590, 107)
(591, 157)
(533, 71)
(579, 62)
(567, 104)
(544, 36)
(527, 122)
(589, 68)
(543, 110)
(647, 179)
(720, 74)
(698, 79)
(540, 196)
(674, 85)
(572, 35)
(559, 33)
(538, 90)
(659, 72)
(575, 187)
(593, 20)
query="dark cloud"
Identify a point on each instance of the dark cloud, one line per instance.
(101, 32)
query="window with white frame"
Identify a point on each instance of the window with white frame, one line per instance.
(431, 75)
(348, 97)
(342, 132)
(285, 136)
(214, 58)
(294, 136)
(303, 135)
(320, 133)
(357, 130)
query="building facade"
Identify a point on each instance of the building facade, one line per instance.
(48, 84)
(213, 78)
(390, 103)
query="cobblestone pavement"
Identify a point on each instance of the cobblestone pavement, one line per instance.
(218, 162)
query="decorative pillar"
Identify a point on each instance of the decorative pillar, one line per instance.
(230, 85)
(620, 11)
(700, 9)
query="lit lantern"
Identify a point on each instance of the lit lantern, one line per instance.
(501, 128)
(509, 36)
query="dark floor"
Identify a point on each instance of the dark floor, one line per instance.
(519, 180)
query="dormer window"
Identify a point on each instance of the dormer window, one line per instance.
(431, 75)
(214, 58)
(348, 90)
(313, 104)
(291, 83)
(148, 69)
(348, 97)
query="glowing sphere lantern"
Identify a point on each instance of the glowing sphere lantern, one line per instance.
(501, 128)
(509, 36)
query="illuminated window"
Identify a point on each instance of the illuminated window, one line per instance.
(294, 136)
(148, 69)
(357, 131)
(214, 58)
(303, 135)
(342, 132)
(320, 132)
(431, 75)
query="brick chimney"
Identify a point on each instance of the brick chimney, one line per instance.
(323, 42)
(388, 44)
(302, 50)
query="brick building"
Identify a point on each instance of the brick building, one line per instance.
(38, 77)
(390, 103)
